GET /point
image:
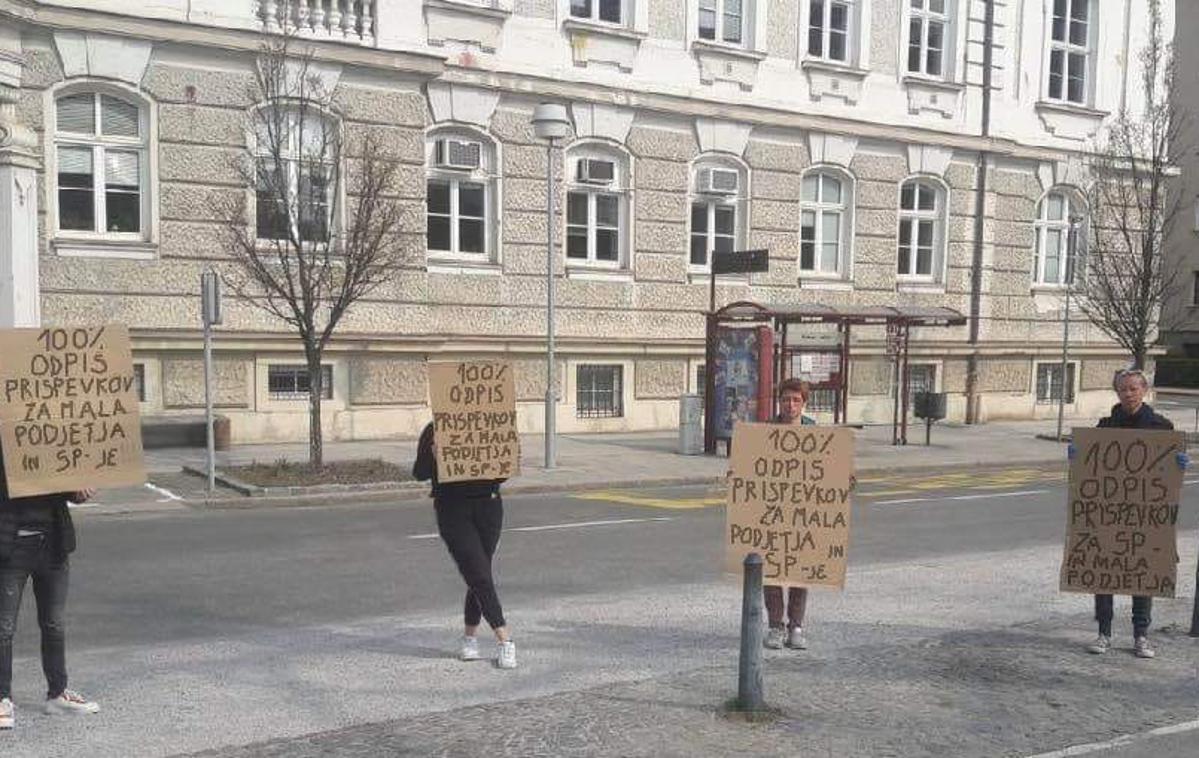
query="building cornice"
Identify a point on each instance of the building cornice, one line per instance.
(27, 12)
(698, 105)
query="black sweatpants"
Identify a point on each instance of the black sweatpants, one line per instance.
(471, 530)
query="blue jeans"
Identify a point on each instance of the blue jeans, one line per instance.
(32, 558)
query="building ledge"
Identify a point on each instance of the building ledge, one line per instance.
(105, 248)
(594, 42)
(727, 63)
(828, 284)
(835, 80)
(468, 23)
(1070, 121)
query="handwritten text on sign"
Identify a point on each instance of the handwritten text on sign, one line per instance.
(788, 501)
(68, 410)
(474, 420)
(1125, 488)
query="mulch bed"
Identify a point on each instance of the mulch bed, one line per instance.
(294, 474)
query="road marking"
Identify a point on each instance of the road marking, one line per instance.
(1121, 741)
(163, 491)
(610, 496)
(77, 506)
(983, 496)
(568, 525)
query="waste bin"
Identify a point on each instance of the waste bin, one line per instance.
(220, 432)
(691, 425)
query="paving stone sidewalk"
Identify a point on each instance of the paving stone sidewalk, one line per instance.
(862, 690)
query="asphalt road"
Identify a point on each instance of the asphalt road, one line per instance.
(259, 601)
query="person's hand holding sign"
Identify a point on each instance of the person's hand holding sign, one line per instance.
(82, 496)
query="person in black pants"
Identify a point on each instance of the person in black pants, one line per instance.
(36, 536)
(470, 516)
(1132, 412)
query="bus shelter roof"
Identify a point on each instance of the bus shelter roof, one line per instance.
(913, 315)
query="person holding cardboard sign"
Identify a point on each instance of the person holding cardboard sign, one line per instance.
(470, 517)
(1132, 412)
(36, 538)
(793, 398)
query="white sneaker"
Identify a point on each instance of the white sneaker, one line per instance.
(70, 702)
(7, 714)
(505, 655)
(1101, 645)
(1142, 649)
(469, 650)
(796, 639)
(774, 639)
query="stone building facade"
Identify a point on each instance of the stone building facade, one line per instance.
(846, 136)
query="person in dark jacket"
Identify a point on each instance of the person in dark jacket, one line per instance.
(470, 516)
(36, 538)
(1132, 412)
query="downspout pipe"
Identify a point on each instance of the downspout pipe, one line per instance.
(980, 207)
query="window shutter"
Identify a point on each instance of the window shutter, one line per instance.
(118, 118)
(76, 114)
(121, 169)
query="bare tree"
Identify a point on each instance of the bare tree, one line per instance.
(1133, 204)
(321, 228)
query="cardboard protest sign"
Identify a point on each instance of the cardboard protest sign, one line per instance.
(1125, 489)
(474, 420)
(68, 410)
(788, 501)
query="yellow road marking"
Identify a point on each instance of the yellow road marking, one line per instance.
(650, 502)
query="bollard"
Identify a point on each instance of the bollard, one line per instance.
(749, 672)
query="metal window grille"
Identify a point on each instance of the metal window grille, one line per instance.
(599, 392)
(139, 381)
(1049, 382)
(291, 382)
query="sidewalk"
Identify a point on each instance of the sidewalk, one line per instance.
(649, 458)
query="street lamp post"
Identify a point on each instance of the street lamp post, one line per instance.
(1071, 272)
(550, 124)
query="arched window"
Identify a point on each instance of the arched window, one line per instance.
(922, 205)
(826, 226)
(298, 154)
(717, 209)
(461, 192)
(597, 206)
(1055, 255)
(101, 151)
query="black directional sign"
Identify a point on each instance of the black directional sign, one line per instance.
(741, 262)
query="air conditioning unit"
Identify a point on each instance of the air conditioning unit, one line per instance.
(458, 154)
(718, 181)
(595, 171)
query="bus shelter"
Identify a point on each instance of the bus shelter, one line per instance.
(750, 348)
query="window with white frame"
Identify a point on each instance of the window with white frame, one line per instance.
(102, 153)
(460, 195)
(929, 36)
(921, 229)
(716, 215)
(831, 29)
(597, 206)
(824, 227)
(609, 11)
(1055, 258)
(1049, 382)
(722, 20)
(297, 154)
(598, 392)
(1071, 35)
(290, 382)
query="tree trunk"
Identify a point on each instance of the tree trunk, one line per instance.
(316, 448)
(1138, 358)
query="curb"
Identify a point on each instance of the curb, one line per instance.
(301, 497)
(255, 491)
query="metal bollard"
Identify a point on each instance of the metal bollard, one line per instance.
(749, 672)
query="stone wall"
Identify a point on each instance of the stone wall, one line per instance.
(183, 383)
(385, 381)
(660, 379)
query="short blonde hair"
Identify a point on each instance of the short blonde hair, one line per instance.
(1125, 373)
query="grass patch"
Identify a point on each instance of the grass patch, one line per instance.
(283, 473)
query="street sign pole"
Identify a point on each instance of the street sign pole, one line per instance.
(210, 314)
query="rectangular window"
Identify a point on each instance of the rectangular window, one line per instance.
(139, 381)
(76, 188)
(828, 29)
(713, 230)
(305, 186)
(721, 20)
(1049, 382)
(597, 10)
(926, 36)
(593, 226)
(290, 382)
(1070, 50)
(701, 380)
(598, 393)
(456, 216)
